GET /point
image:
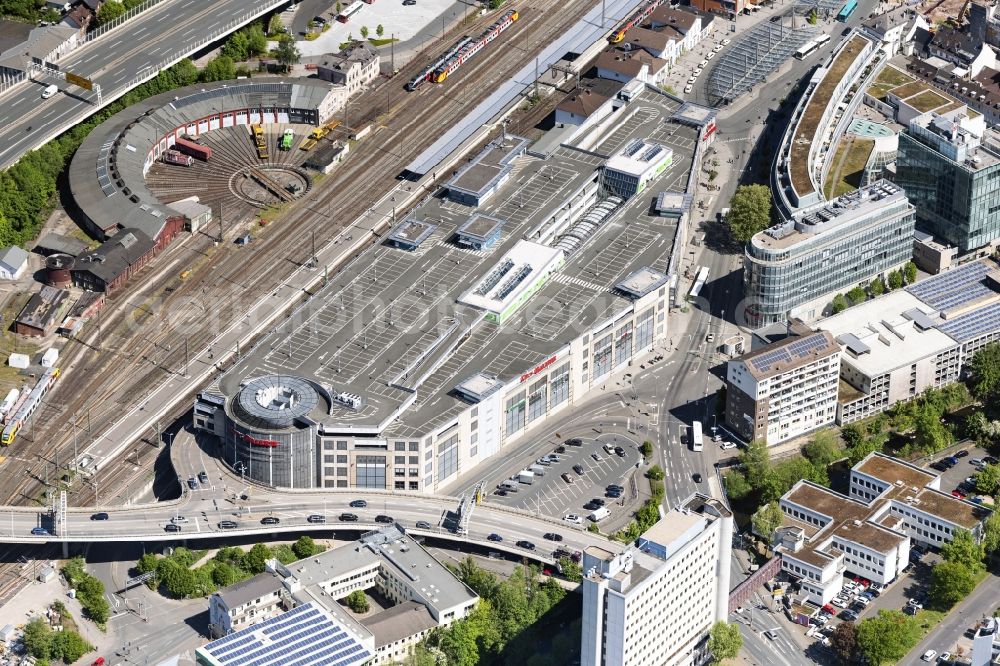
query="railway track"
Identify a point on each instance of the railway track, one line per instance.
(143, 331)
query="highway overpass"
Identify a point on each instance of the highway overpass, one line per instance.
(117, 62)
(203, 510)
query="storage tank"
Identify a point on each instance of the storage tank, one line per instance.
(58, 269)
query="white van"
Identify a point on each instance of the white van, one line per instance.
(50, 91)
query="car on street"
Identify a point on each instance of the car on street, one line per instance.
(687, 89)
(616, 487)
(944, 658)
(192, 483)
(409, 3)
(316, 518)
(178, 519)
(574, 441)
(560, 449)
(990, 460)
(100, 516)
(227, 524)
(500, 492)
(961, 454)
(597, 456)
(592, 506)
(319, 20)
(527, 545)
(727, 445)
(566, 477)
(697, 477)
(172, 527)
(840, 602)
(270, 520)
(620, 451)
(849, 615)
(929, 655)
(359, 504)
(203, 476)
(39, 531)
(422, 525)
(725, 42)
(573, 518)
(494, 537)
(709, 55)
(717, 48)
(382, 518)
(552, 536)
(348, 518)
(692, 80)
(613, 494)
(939, 466)
(598, 501)
(578, 469)
(977, 462)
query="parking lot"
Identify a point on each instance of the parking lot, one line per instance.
(953, 477)
(553, 496)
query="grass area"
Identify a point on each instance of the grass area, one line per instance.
(10, 342)
(887, 79)
(910, 89)
(820, 98)
(927, 101)
(848, 166)
(383, 41)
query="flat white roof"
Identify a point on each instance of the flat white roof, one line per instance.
(638, 157)
(512, 275)
(892, 338)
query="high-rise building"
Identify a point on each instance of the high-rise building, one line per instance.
(784, 389)
(950, 175)
(655, 603)
(794, 269)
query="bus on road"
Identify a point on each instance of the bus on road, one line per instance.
(811, 47)
(847, 10)
(697, 440)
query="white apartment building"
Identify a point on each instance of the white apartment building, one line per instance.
(892, 352)
(784, 389)
(826, 535)
(655, 603)
(424, 593)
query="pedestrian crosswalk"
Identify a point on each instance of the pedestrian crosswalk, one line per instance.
(562, 278)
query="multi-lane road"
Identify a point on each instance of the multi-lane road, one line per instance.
(117, 62)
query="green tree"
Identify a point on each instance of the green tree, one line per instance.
(823, 450)
(224, 574)
(304, 547)
(736, 484)
(379, 31)
(357, 601)
(571, 570)
(483, 582)
(287, 53)
(255, 561)
(655, 473)
(237, 47)
(895, 280)
(844, 643)
(931, 434)
(646, 449)
(179, 581)
(364, 32)
(991, 533)
(146, 563)
(38, 639)
(749, 212)
(839, 303)
(256, 40)
(813, 17)
(857, 295)
(219, 69)
(275, 25)
(284, 553)
(988, 480)
(887, 637)
(109, 11)
(766, 520)
(955, 396)
(69, 646)
(910, 272)
(756, 463)
(963, 549)
(950, 583)
(985, 370)
(877, 287)
(724, 641)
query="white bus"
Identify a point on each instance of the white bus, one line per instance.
(697, 441)
(811, 46)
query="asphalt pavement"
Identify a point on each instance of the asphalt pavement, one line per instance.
(117, 62)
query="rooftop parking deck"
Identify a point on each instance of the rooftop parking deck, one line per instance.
(389, 326)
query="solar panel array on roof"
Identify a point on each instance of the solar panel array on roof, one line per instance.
(800, 348)
(973, 324)
(303, 635)
(954, 288)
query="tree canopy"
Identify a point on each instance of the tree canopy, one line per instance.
(963, 549)
(985, 373)
(724, 641)
(749, 211)
(950, 583)
(844, 643)
(766, 520)
(887, 637)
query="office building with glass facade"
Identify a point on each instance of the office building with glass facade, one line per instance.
(794, 269)
(952, 177)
